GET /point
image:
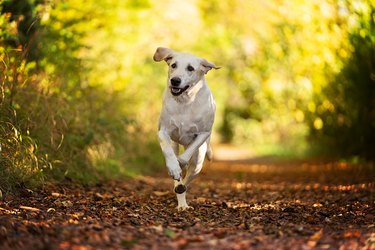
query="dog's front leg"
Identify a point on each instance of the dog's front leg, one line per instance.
(169, 154)
(184, 158)
(181, 197)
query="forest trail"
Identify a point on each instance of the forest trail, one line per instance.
(261, 203)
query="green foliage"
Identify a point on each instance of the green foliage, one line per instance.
(21, 14)
(347, 108)
(300, 73)
(80, 94)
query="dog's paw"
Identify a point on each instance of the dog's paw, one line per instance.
(184, 207)
(175, 173)
(179, 189)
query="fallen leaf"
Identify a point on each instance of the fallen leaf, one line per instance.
(160, 193)
(316, 236)
(34, 209)
(158, 228)
(169, 233)
(128, 243)
(55, 194)
(98, 196)
(201, 199)
(313, 240)
(352, 234)
(67, 203)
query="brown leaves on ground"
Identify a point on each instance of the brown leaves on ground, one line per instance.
(237, 205)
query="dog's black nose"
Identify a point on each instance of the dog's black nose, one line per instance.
(175, 81)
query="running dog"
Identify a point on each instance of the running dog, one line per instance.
(186, 118)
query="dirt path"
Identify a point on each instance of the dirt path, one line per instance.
(256, 204)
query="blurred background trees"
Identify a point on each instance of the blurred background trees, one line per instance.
(80, 94)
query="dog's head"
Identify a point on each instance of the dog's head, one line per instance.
(185, 70)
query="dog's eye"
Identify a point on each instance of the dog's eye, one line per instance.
(174, 65)
(190, 68)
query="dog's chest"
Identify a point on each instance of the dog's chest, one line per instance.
(183, 130)
(184, 121)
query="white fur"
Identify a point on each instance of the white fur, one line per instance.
(185, 119)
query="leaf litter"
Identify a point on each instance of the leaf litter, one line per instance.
(292, 205)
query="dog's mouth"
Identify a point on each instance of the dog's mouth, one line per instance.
(178, 91)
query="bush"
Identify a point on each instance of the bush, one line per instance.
(54, 124)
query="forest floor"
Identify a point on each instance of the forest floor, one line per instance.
(262, 203)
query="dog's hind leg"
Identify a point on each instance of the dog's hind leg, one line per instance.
(196, 164)
(209, 153)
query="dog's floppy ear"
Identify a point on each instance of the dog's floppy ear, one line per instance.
(207, 66)
(163, 54)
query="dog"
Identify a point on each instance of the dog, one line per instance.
(186, 118)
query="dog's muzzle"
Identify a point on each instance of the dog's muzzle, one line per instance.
(178, 91)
